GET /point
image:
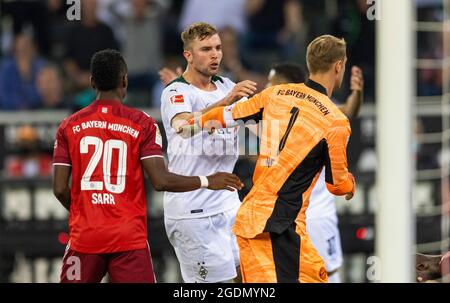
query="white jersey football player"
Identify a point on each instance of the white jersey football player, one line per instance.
(198, 223)
(321, 215)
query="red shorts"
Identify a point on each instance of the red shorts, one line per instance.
(134, 266)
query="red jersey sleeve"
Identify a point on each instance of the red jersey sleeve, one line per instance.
(61, 154)
(151, 143)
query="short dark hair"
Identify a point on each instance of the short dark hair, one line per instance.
(293, 73)
(107, 69)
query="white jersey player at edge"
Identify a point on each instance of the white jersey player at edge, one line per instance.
(198, 224)
(321, 215)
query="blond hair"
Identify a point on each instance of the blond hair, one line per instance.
(198, 30)
(323, 52)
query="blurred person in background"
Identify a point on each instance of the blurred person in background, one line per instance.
(18, 76)
(142, 47)
(272, 26)
(50, 88)
(233, 64)
(352, 24)
(58, 27)
(29, 15)
(82, 41)
(223, 14)
(172, 69)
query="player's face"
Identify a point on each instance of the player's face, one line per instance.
(206, 55)
(340, 69)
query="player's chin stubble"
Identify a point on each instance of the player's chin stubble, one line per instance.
(206, 72)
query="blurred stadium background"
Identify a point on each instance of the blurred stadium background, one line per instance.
(44, 73)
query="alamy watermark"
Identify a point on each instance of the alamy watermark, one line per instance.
(241, 139)
(74, 11)
(373, 273)
(73, 272)
(374, 10)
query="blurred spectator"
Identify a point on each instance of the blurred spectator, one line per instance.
(110, 11)
(31, 160)
(272, 26)
(173, 68)
(142, 48)
(317, 15)
(58, 27)
(18, 74)
(359, 32)
(29, 14)
(429, 82)
(49, 85)
(172, 44)
(228, 13)
(233, 65)
(83, 40)
(107, 13)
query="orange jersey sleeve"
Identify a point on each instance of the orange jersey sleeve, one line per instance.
(339, 180)
(225, 116)
(215, 114)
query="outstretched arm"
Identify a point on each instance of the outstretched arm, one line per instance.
(163, 180)
(227, 116)
(241, 90)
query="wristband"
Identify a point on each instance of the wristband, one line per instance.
(203, 182)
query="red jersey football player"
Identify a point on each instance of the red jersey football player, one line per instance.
(104, 148)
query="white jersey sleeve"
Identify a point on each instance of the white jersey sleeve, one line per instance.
(176, 99)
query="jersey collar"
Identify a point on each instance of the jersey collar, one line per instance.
(316, 86)
(107, 102)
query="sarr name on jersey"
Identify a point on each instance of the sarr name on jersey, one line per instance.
(102, 198)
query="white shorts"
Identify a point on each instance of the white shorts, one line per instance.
(205, 247)
(324, 234)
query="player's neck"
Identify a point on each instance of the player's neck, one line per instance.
(325, 80)
(110, 95)
(198, 80)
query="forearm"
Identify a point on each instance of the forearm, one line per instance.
(175, 183)
(221, 103)
(64, 198)
(61, 187)
(339, 180)
(212, 119)
(215, 116)
(184, 123)
(352, 104)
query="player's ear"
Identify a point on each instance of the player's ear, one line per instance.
(338, 66)
(187, 55)
(125, 81)
(92, 83)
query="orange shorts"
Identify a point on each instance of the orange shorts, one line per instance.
(280, 258)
